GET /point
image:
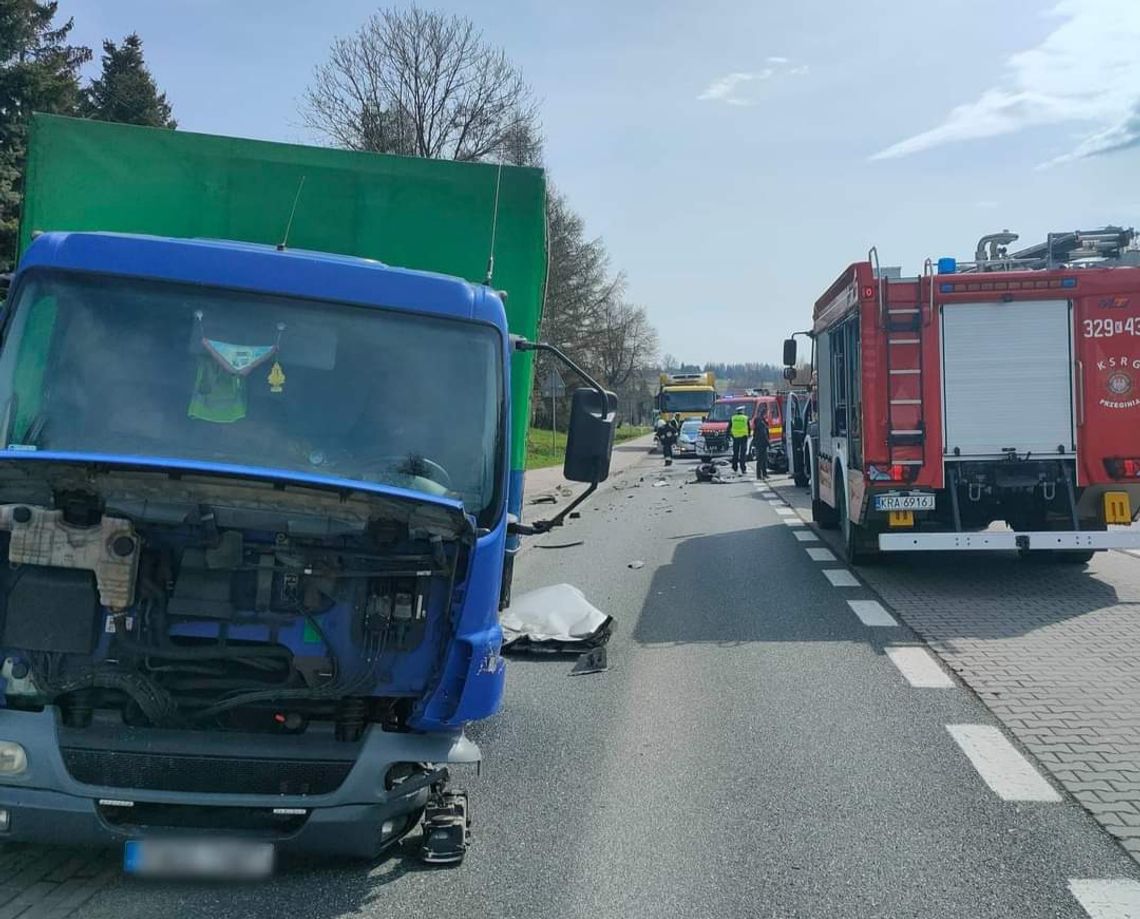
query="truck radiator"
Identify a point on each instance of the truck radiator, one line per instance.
(204, 774)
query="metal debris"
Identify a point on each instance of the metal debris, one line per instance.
(593, 661)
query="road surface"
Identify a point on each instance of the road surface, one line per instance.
(770, 741)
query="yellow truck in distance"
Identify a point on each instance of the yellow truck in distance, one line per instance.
(689, 395)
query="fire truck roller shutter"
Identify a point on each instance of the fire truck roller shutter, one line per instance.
(1007, 378)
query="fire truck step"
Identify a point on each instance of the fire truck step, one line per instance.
(907, 438)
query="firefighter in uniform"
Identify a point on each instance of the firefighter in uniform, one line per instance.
(668, 434)
(738, 431)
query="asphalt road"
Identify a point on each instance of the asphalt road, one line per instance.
(752, 752)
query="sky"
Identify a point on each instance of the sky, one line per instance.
(736, 155)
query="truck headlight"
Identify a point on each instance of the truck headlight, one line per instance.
(13, 758)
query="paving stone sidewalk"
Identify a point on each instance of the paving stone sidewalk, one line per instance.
(1052, 649)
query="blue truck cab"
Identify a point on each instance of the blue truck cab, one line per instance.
(254, 505)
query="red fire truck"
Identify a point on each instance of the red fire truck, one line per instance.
(1002, 390)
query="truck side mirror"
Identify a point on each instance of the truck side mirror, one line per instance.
(789, 373)
(590, 436)
(789, 352)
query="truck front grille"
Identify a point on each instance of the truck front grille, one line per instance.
(204, 774)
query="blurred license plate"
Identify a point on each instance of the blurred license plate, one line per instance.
(198, 858)
(904, 502)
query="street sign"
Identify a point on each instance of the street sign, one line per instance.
(553, 387)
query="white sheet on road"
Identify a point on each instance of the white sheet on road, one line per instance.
(558, 614)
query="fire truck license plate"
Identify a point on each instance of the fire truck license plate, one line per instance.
(904, 502)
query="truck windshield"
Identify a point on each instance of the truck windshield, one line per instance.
(691, 401)
(722, 411)
(140, 368)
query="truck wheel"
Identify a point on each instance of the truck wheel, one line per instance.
(806, 470)
(1075, 557)
(860, 547)
(824, 515)
(800, 478)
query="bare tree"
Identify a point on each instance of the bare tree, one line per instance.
(422, 83)
(626, 344)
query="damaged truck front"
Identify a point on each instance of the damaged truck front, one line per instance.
(255, 507)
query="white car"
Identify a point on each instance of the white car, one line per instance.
(690, 438)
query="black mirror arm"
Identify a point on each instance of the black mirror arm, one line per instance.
(521, 344)
(545, 526)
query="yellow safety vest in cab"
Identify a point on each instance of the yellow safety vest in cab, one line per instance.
(739, 425)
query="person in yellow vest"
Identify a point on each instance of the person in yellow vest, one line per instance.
(738, 431)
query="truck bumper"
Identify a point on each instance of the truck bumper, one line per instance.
(358, 819)
(1038, 540)
(347, 831)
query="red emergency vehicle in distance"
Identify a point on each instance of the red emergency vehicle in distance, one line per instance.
(714, 430)
(1003, 389)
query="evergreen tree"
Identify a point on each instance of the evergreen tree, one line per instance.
(39, 72)
(125, 91)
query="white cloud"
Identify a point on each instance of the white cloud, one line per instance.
(1086, 71)
(726, 89)
(732, 88)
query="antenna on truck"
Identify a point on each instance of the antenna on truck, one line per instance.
(289, 224)
(494, 223)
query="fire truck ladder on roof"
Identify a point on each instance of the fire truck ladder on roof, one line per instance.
(903, 323)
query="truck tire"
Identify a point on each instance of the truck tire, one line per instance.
(860, 543)
(800, 478)
(821, 512)
(824, 514)
(1078, 556)
(1075, 556)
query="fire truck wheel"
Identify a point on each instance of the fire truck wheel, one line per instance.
(824, 515)
(1075, 557)
(860, 545)
(800, 478)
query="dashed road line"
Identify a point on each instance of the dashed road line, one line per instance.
(1113, 898)
(786, 512)
(840, 577)
(820, 554)
(1009, 774)
(872, 613)
(792, 521)
(919, 668)
(805, 536)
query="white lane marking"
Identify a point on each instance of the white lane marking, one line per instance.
(785, 512)
(1112, 898)
(792, 521)
(804, 535)
(871, 612)
(821, 555)
(840, 577)
(1009, 774)
(919, 668)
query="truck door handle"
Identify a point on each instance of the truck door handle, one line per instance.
(1080, 371)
